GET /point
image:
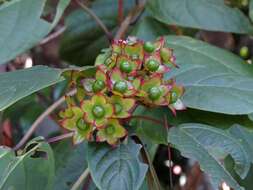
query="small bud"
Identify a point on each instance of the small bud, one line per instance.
(149, 47)
(244, 52)
(152, 65)
(120, 86)
(126, 67)
(98, 111)
(98, 85)
(154, 93)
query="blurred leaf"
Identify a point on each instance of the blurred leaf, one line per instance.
(116, 168)
(84, 39)
(251, 10)
(211, 15)
(34, 169)
(215, 80)
(154, 132)
(149, 29)
(70, 163)
(196, 141)
(24, 16)
(18, 84)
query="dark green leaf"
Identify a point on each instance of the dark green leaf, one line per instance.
(18, 84)
(215, 80)
(116, 168)
(203, 14)
(22, 27)
(34, 169)
(84, 39)
(195, 141)
(251, 10)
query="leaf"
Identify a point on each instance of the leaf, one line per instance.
(24, 16)
(116, 168)
(34, 169)
(211, 15)
(18, 84)
(215, 80)
(149, 29)
(81, 43)
(191, 140)
(156, 133)
(70, 163)
(251, 10)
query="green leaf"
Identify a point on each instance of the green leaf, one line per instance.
(194, 141)
(18, 84)
(34, 169)
(211, 15)
(24, 16)
(116, 168)
(154, 132)
(81, 43)
(251, 10)
(215, 80)
(70, 163)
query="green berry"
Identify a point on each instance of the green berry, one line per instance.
(152, 65)
(98, 111)
(109, 130)
(174, 97)
(126, 67)
(81, 124)
(118, 108)
(149, 47)
(98, 85)
(120, 86)
(244, 52)
(154, 93)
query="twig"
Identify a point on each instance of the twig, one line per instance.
(53, 35)
(60, 137)
(35, 125)
(95, 17)
(120, 11)
(125, 24)
(80, 180)
(146, 118)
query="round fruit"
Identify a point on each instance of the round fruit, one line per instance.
(152, 65)
(109, 129)
(81, 124)
(98, 85)
(98, 111)
(155, 93)
(125, 66)
(149, 47)
(120, 86)
(244, 52)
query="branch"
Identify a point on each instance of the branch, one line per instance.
(125, 24)
(120, 11)
(60, 137)
(80, 180)
(35, 125)
(95, 17)
(53, 35)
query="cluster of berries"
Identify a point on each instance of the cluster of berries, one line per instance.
(129, 73)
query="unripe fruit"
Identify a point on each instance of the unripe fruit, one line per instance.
(109, 130)
(126, 67)
(154, 93)
(120, 86)
(173, 97)
(98, 111)
(149, 47)
(98, 85)
(244, 52)
(81, 124)
(152, 65)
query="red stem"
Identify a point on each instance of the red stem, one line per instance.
(120, 11)
(60, 137)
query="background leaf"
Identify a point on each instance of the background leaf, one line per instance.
(24, 16)
(191, 146)
(116, 168)
(18, 84)
(84, 39)
(215, 80)
(203, 14)
(34, 169)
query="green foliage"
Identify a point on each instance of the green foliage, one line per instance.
(33, 169)
(208, 15)
(24, 16)
(116, 168)
(215, 80)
